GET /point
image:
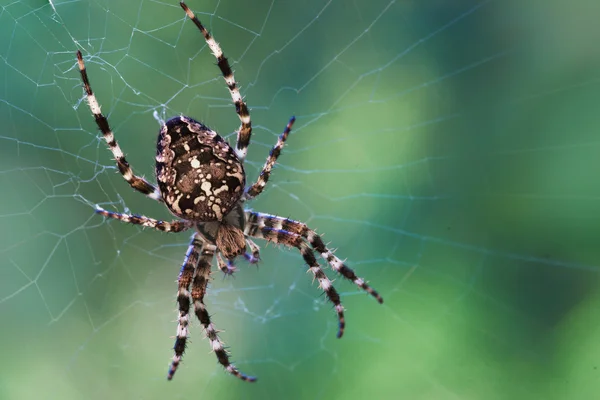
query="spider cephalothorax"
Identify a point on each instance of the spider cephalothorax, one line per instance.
(201, 180)
(228, 234)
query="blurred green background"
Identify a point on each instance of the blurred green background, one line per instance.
(449, 151)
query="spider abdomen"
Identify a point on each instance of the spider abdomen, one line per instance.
(198, 173)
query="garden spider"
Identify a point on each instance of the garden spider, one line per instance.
(201, 180)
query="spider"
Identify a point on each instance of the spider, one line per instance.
(202, 182)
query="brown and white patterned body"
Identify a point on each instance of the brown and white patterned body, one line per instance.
(201, 180)
(200, 177)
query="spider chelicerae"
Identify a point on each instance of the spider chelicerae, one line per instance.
(202, 182)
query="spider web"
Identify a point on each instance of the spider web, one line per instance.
(449, 151)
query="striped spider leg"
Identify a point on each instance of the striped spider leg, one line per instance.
(199, 285)
(280, 223)
(263, 177)
(244, 132)
(183, 300)
(296, 234)
(196, 272)
(136, 182)
(164, 226)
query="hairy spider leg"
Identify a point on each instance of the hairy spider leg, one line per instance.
(273, 221)
(183, 300)
(164, 226)
(199, 286)
(136, 182)
(265, 173)
(245, 130)
(292, 239)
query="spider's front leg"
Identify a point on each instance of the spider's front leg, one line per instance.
(245, 130)
(199, 286)
(257, 220)
(291, 239)
(183, 300)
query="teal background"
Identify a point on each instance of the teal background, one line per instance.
(448, 150)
